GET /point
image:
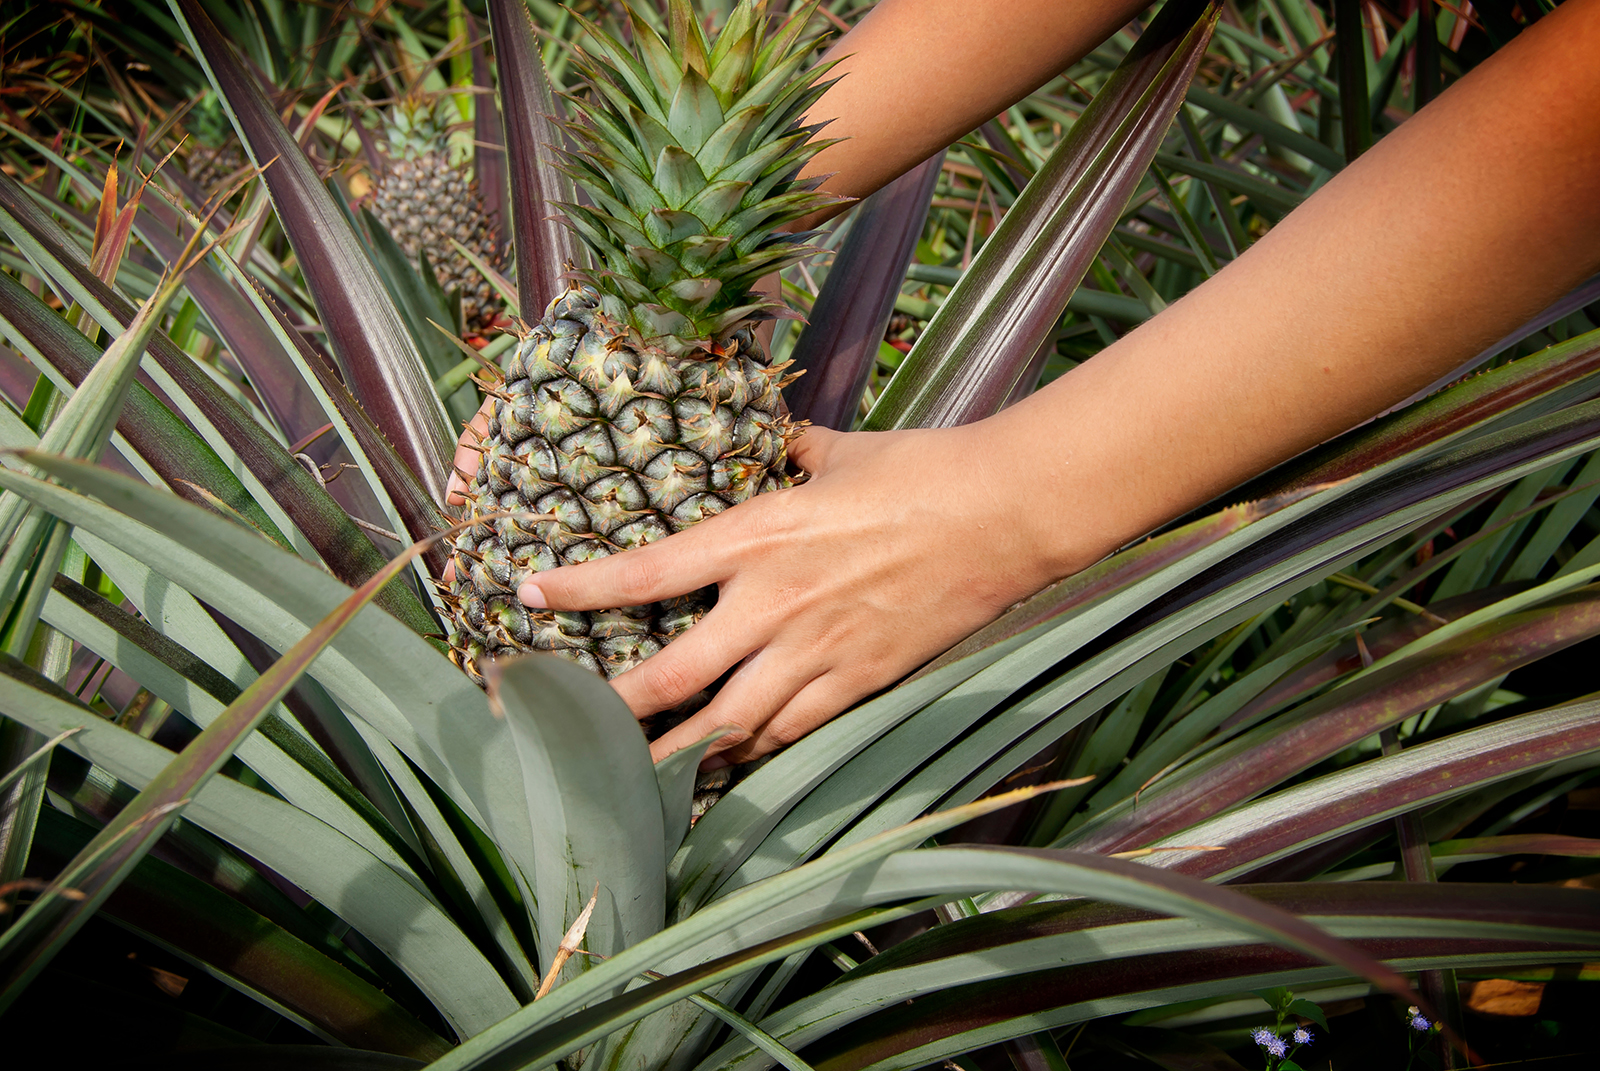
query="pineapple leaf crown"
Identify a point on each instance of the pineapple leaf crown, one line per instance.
(415, 127)
(689, 152)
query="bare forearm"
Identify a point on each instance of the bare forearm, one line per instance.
(1451, 231)
(915, 75)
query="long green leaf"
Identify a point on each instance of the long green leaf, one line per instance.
(1001, 975)
(1421, 776)
(33, 941)
(381, 672)
(221, 421)
(904, 875)
(262, 959)
(593, 804)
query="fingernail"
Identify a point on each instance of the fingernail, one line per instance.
(530, 595)
(715, 762)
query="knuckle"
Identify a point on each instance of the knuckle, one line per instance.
(639, 577)
(669, 681)
(781, 732)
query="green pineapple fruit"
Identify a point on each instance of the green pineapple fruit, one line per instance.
(642, 402)
(425, 199)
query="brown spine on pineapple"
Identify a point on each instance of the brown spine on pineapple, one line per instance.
(619, 443)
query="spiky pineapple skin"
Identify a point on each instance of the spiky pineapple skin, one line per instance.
(424, 201)
(616, 443)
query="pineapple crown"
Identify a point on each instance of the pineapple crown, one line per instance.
(415, 127)
(689, 151)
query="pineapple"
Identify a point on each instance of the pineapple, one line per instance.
(643, 402)
(424, 200)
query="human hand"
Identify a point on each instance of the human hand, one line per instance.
(898, 546)
(466, 459)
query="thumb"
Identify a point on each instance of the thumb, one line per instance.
(813, 450)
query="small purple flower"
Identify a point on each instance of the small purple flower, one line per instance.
(1301, 1036)
(1420, 1022)
(1263, 1037)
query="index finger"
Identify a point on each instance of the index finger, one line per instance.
(676, 565)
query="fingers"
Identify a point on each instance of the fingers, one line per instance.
(666, 568)
(763, 685)
(806, 707)
(811, 450)
(685, 667)
(467, 454)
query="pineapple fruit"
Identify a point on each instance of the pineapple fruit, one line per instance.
(643, 402)
(425, 199)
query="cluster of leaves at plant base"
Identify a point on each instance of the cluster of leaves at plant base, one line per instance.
(1320, 680)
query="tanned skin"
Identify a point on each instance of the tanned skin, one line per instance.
(1451, 231)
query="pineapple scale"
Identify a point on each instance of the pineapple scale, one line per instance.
(615, 444)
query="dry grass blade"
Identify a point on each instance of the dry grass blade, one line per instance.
(569, 943)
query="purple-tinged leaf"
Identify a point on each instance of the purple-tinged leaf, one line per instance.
(344, 548)
(1381, 640)
(544, 246)
(1476, 460)
(376, 354)
(29, 945)
(1266, 756)
(1521, 844)
(418, 509)
(975, 348)
(488, 134)
(163, 440)
(536, 1037)
(285, 396)
(838, 348)
(17, 378)
(1421, 776)
(1526, 922)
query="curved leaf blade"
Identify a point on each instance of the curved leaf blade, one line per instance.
(29, 945)
(205, 925)
(967, 362)
(593, 804)
(376, 353)
(837, 349)
(544, 246)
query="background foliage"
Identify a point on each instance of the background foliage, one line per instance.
(1355, 698)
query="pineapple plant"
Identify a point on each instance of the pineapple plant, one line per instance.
(428, 199)
(643, 401)
(432, 927)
